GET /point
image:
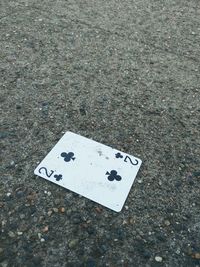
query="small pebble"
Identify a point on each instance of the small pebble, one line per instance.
(3, 222)
(197, 256)
(62, 210)
(158, 259)
(35, 219)
(99, 210)
(41, 218)
(49, 212)
(20, 233)
(55, 210)
(22, 216)
(167, 223)
(11, 234)
(73, 243)
(4, 264)
(42, 240)
(8, 194)
(131, 221)
(12, 163)
(139, 181)
(45, 229)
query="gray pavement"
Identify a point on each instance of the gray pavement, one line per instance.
(124, 73)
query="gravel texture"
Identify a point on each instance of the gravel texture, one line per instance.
(124, 73)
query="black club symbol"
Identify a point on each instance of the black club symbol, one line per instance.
(113, 176)
(58, 177)
(67, 156)
(118, 155)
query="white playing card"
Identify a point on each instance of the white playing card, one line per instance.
(93, 170)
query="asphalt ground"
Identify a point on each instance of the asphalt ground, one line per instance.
(123, 73)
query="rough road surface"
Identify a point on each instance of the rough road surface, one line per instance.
(124, 73)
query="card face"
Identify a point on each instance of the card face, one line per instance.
(91, 169)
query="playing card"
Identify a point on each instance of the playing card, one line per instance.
(91, 169)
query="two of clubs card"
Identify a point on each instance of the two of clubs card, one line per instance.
(91, 169)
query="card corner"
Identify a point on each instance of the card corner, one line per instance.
(35, 172)
(118, 209)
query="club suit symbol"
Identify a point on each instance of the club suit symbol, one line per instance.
(58, 177)
(67, 156)
(127, 159)
(118, 155)
(113, 176)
